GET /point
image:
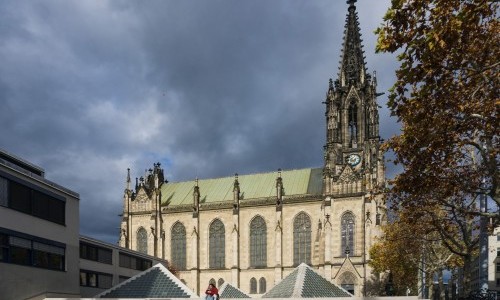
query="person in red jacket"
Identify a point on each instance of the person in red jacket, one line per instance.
(212, 293)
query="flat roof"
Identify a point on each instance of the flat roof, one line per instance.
(30, 170)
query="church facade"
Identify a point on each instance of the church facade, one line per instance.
(253, 230)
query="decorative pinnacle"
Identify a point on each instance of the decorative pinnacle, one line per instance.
(351, 2)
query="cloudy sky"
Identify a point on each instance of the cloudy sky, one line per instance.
(206, 88)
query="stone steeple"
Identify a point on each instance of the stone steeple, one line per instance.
(352, 137)
(352, 68)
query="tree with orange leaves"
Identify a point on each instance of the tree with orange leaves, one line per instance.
(446, 97)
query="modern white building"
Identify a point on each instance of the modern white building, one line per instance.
(494, 261)
(104, 265)
(39, 233)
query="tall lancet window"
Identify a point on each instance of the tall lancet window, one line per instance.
(302, 239)
(347, 234)
(178, 246)
(217, 245)
(353, 121)
(142, 240)
(258, 242)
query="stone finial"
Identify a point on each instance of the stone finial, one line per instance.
(279, 191)
(236, 188)
(128, 180)
(196, 195)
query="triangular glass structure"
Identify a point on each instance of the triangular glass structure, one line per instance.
(155, 282)
(304, 282)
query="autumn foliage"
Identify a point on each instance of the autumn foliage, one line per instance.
(446, 97)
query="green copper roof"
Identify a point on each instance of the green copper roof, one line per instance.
(253, 186)
(304, 282)
(155, 282)
(227, 291)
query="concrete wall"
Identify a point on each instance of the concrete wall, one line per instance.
(26, 282)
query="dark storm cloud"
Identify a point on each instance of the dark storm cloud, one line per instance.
(207, 88)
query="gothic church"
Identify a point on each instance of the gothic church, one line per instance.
(253, 230)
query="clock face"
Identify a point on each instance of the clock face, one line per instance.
(353, 159)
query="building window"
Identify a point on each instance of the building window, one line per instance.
(91, 252)
(347, 281)
(4, 247)
(220, 282)
(498, 281)
(31, 251)
(178, 246)
(4, 192)
(211, 281)
(48, 256)
(498, 267)
(96, 279)
(347, 234)
(22, 198)
(262, 285)
(142, 240)
(302, 239)
(258, 242)
(253, 286)
(133, 262)
(217, 245)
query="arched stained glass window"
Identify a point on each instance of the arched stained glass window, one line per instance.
(262, 285)
(253, 286)
(142, 240)
(217, 245)
(220, 282)
(347, 234)
(178, 246)
(258, 242)
(302, 239)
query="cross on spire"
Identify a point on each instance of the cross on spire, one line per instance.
(351, 2)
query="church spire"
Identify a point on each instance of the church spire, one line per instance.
(352, 68)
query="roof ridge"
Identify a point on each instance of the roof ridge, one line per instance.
(299, 281)
(176, 280)
(249, 174)
(227, 285)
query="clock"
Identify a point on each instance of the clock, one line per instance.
(353, 159)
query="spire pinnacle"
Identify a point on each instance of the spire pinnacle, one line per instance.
(128, 179)
(352, 68)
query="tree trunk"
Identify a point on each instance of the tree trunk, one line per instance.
(441, 285)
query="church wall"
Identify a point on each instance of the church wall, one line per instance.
(290, 211)
(138, 221)
(169, 220)
(206, 218)
(247, 275)
(206, 275)
(247, 214)
(338, 208)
